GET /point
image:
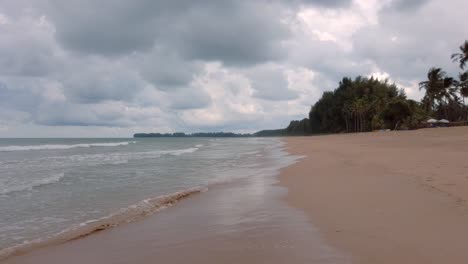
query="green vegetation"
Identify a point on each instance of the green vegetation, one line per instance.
(270, 133)
(362, 104)
(367, 104)
(180, 134)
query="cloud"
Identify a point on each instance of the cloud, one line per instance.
(269, 82)
(406, 45)
(164, 68)
(94, 68)
(190, 98)
(109, 114)
(27, 47)
(99, 81)
(207, 30)
(231, 31)
(327, 3)
(237, 34)
(404, 5)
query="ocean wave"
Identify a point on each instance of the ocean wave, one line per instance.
(178, 152)
(33, 184)
(112, 158)
(124, 157)
(57, 146)
(129, 214)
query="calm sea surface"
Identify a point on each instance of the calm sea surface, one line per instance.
(51, 185)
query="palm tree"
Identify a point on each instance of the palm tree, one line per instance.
(347, 112)
(354, 107)
(462, 57)
(433, 86)
(359, 108)
(455, 108)
(463, 85)
(463, 88)
(438, 88)
(448, 90)
(448, 94)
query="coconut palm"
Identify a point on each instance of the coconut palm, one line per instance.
(462, 57)
(439, 88)
(463, 85)
(447, 94)
(347, 111)
(359, 109)
(448, 89)
(433, 86)
(463, 88)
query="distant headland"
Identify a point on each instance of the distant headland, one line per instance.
(263, 133)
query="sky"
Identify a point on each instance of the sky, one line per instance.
(111, 68)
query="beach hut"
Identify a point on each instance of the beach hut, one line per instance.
(444, 123)
(431, 122)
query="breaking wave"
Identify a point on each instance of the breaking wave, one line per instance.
(124, 157)
(33, 184)
(178, 152)
(129, 214)
(53, 146)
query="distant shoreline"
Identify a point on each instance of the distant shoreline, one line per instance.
(263, 133)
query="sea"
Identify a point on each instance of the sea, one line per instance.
(56, 190)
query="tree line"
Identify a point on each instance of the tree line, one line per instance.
(182, 134)
(366, 104)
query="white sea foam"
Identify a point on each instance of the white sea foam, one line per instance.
(146, 164)
(179, 152)
(57, 146)
(32, 184)
(117, 158)
(125, 215)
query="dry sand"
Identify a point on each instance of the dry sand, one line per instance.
(386, 197)
(393, 197)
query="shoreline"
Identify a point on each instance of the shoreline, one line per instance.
(129, 214)
(388, 197)
(392, 197)
(243, 221)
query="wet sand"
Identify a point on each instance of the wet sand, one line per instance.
(386, 197)
(393, 197)
(241, 222)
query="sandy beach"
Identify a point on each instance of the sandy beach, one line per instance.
(386, 197)
(240, 221)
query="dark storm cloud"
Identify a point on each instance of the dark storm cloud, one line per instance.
(97, 85)
(407, 5)
(165, 68)
(207, 64)
(64, 114)
(228, 31)
(240, 35)
(166, 40)
(101, 27)
(326, 3)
